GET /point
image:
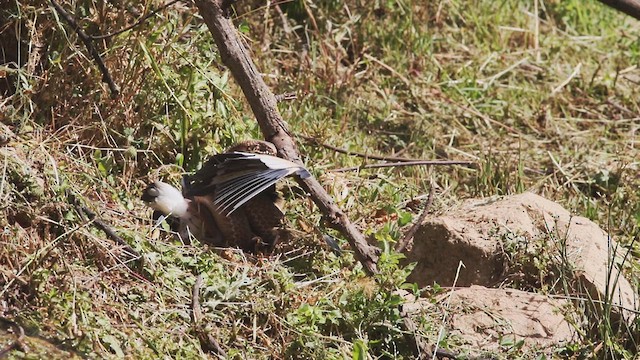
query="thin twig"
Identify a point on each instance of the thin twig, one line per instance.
(447, 307)
(621, 108)
(195, 300)
(18, 343)
(139, 22)
(402, 244)
(477, 113)
(568, 179)
(315, 141)
(566, 82)
(408, 163)
(283, 18)
(536, 31)
(207, 342)
(106, 77)
(421, 348)
(100, 224)
(389, 68)
(629, 7)
(286, 96)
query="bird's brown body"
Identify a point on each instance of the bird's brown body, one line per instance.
(218, 212)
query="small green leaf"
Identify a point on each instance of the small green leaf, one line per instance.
(244, 27)
(359, 350)
(404, 217)
(114, 344)
(97, 155)
(165, 226)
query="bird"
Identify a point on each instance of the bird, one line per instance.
(231, 201)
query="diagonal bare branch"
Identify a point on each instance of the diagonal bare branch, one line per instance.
(263, 103)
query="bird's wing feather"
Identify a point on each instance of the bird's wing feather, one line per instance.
(237, 177)
(199, 183)
(231, 195)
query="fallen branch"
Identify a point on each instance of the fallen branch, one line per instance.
(263, 103)
(100, 224)
(407, 163)
(402, 244)
(18, 343)
(315, 141)
(207, 342)
(106, 77)
(629, 7)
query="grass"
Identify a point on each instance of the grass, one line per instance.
(543, 101)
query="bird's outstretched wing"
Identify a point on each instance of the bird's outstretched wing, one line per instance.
(237, 177)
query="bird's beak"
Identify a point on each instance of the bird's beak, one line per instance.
(149, 194)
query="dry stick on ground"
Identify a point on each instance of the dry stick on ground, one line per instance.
(263, 103)
(402, 244)
(207, 342)
(106, 77)
(315, 141)
(18, 343)
(407, 163)
(400, 161)
(422, 348)
(629, 7)
(100, 224)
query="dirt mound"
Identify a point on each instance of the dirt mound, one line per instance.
(499, 319)
(524, 241)
(478, 233)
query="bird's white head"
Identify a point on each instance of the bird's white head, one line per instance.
(166, 199)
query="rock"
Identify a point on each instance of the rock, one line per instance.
(477, 233)
(477, 321)
(495, 320)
